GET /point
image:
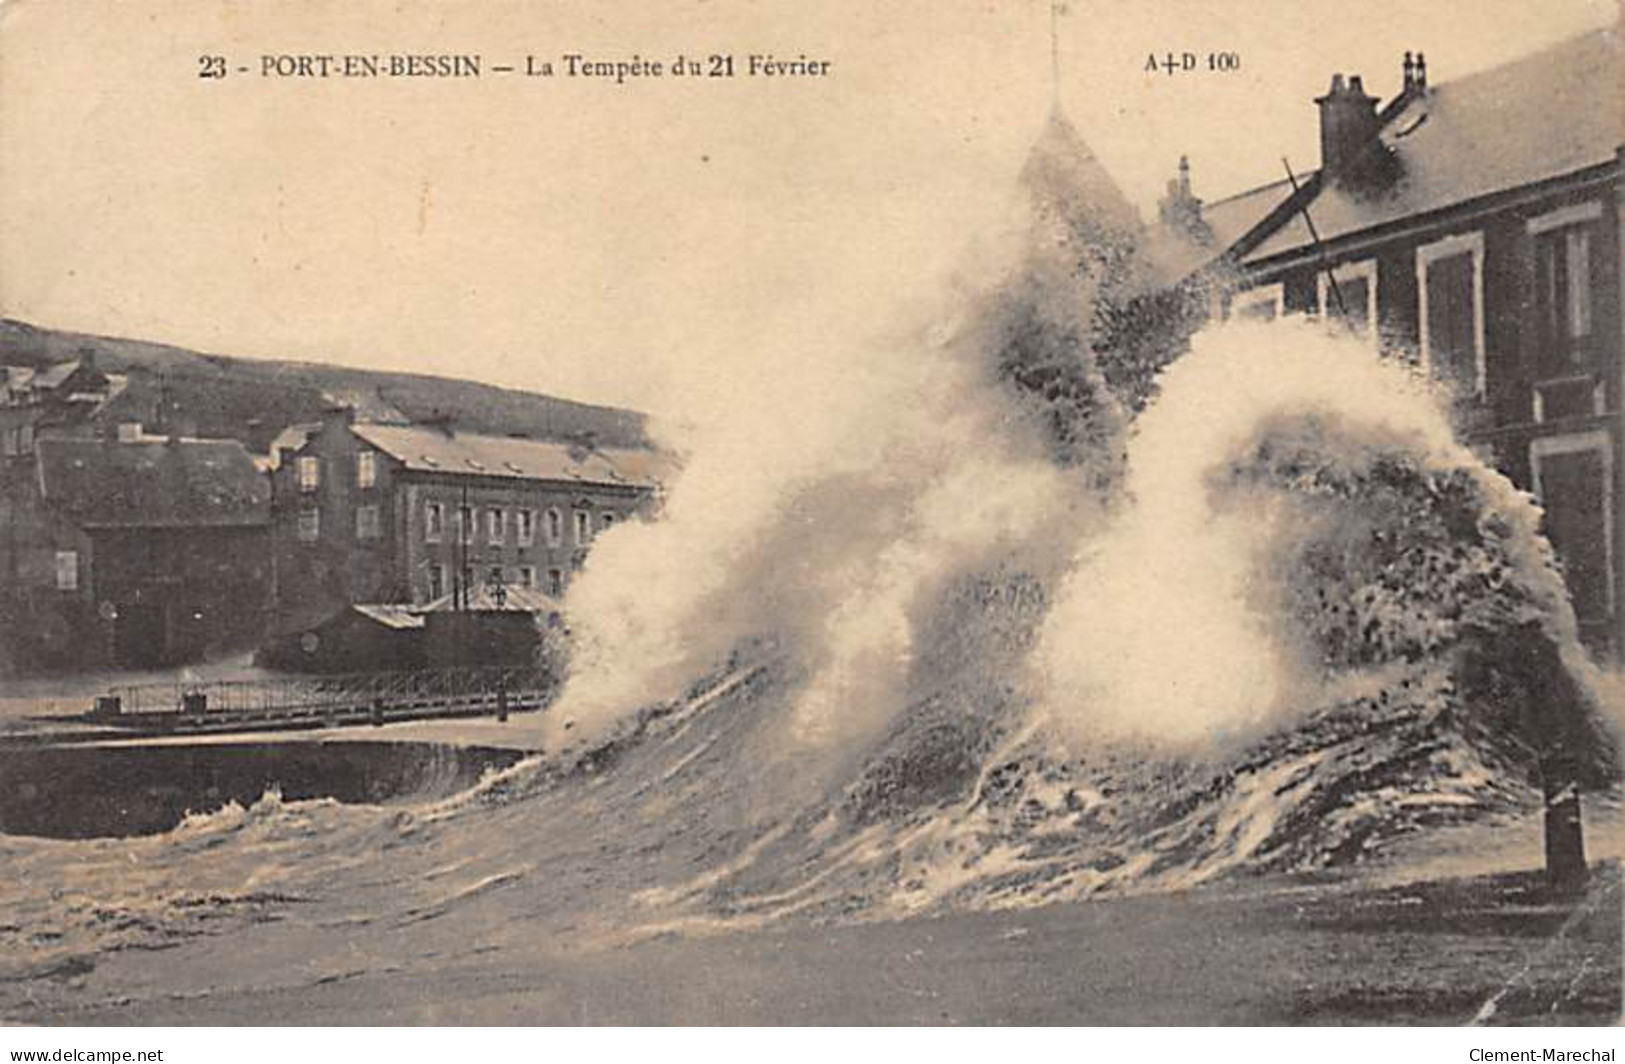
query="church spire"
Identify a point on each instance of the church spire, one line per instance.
(1056, 10)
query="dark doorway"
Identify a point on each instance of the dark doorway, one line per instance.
(1574, 492)
(139, 638)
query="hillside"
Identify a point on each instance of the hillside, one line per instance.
(254, 399)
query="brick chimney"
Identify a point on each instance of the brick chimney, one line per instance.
(1348, 126)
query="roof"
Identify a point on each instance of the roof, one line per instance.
(1234, 216)
(515, 599)
(1175, 255)
(290, 439)
(1552, 113)
(435, 451)
(153, 483)
(367, 404)
(52, 376)
(390, 615)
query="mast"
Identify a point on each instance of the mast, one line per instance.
(1056, 10)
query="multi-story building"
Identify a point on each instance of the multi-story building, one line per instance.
(138, 552)
(1476, 227)
(412, 514)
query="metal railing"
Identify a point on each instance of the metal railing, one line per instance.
(462, 687)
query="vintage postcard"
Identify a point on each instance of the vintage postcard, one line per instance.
(753, 512)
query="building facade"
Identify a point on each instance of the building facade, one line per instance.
(133, 553)
(1476, 228)
(414, 514)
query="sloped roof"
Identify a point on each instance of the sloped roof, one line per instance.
(1552, 113)
(48, 378)
(390, 615)
(431, 450)
(1175, 255)
(367, 404)
(1234, 216)
(153, 483)
(290, 439)
(52, 376)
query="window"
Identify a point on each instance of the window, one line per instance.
(18, 440)
(367, 524)
(310, 473)
(606, 519)
(583, 528)
(555, 528)
(1571, 396)
(1574, 479)
(1450, 293)
(366, 469)
(495, 525)
(434, 522)
(310, 525)
(1353, 300)
(67, 570)
(527, 576)
(465, 524)
(494, 577)
(1563, 245)
(437, 581)
(525, 526)
(555, 582)
(1263, 303)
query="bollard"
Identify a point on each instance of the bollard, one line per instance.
(1566, 870)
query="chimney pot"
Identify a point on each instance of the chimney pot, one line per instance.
(1421, 71)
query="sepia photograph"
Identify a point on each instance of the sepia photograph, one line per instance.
(765, 513)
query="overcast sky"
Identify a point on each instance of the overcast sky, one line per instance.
(640, 244)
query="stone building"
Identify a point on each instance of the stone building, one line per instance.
(135, 553)
(1475, 227)
(412, 514)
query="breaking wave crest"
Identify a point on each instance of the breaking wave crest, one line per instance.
(987, 621)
